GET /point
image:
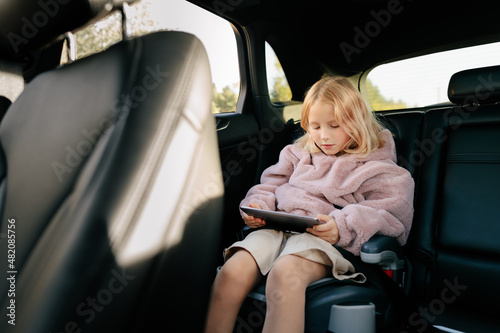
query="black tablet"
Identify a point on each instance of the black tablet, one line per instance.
(281, 220)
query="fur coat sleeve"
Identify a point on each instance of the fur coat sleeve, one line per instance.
(272, 178)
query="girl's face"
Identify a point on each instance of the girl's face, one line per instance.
(324, 130)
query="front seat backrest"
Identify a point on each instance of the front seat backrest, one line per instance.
(113, 180)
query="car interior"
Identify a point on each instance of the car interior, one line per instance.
(120, 188)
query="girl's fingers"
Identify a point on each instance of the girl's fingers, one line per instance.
(253, 205)
(327, 231)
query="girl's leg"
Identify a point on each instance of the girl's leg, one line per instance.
(285, 292)
(232, 284)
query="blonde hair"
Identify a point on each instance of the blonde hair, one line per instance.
(351, 114)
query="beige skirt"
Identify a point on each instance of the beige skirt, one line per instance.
(267, 245)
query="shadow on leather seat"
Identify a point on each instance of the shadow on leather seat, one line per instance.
(113, 183)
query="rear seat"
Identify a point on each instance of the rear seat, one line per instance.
(406, 128)
(453, 153)
(454, 246)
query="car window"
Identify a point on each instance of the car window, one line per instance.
(11, 80)
(99, 36)
(278, 87)
(423, 81)
(279, 90)
(216, 34)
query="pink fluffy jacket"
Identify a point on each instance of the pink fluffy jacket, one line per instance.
(373, 193)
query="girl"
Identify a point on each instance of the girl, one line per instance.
(343, 171)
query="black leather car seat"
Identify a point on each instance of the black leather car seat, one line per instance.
(113, 185)
(454, 243)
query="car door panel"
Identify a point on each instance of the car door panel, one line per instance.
(239, 152)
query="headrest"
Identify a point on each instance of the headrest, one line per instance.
(26, 25)
(475, 86)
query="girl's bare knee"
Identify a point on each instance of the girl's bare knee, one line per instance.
(286, 275)
(293, 273)
(240, 269)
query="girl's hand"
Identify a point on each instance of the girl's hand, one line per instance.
(253, 222)
(327, 231)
